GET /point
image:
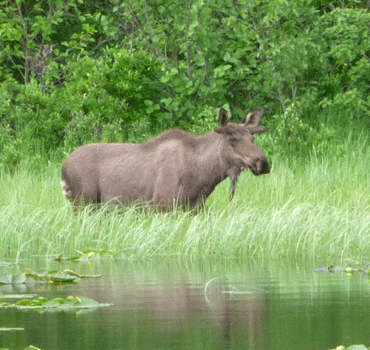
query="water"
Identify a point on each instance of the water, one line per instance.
(203, 305)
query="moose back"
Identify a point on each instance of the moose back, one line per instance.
(174, 168)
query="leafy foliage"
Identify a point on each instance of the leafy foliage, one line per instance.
(73, 72)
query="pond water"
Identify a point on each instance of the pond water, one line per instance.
(203, 305)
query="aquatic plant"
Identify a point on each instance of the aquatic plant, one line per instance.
(70, 303)
(31, 277)
(305, 210)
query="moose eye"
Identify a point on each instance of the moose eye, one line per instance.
(233, 141)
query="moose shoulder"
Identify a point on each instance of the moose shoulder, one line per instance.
(172, 168)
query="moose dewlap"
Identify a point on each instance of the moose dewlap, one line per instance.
(174, 168)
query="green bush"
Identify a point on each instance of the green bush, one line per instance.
(107, 97)
(101, 101)
(126, 71)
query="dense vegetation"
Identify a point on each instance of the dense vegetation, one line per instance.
(314, 212)
(78, 71)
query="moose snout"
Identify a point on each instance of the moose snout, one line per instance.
(260, 166)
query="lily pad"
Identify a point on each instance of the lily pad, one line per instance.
(75, 274)
(59, 277)
(89, 255)
(335, 269)
(73, 302)
(321, 269)
(19, 279)
(32, 277)
(32, 302)
(56, 304)
(6, 279)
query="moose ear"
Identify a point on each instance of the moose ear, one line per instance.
(253, 119)
(257, 129)
(223, 117)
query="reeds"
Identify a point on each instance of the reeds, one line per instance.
(314, 209)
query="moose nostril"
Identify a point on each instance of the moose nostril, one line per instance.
(265, 167)
(261, 166)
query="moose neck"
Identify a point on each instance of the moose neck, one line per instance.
(211, 161)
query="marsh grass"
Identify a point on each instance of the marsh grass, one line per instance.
(312, 209)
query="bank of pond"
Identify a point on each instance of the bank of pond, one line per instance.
(281, 265)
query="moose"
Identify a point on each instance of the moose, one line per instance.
(172, 169)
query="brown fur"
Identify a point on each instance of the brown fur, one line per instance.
(174, 168)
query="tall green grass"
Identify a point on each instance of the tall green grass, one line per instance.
(308, 209)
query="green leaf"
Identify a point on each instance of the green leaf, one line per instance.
(6, 279)
(61, 278)
(24, 302)
(51, 304)
(19, 279)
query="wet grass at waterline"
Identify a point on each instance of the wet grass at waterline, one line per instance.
(316, 209)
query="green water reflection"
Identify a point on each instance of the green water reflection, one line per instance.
(205, 305)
